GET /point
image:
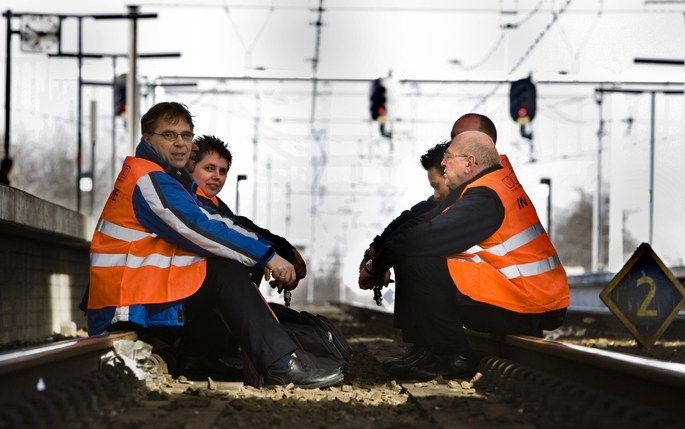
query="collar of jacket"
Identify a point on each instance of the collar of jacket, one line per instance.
(146, 151)
(456, 193)
(213, 200)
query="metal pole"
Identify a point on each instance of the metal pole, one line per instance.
(315, 62)
(114, 118)
(93, 139)
(8, 72)
(547, 181)
(132, 79)
(597, 206)
(651, 168)
(237, 192)
(255, 153)
(79, 108)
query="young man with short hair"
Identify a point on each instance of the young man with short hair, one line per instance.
(155, 251)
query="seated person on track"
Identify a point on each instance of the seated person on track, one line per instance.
(156, 253)
(484, 262)
(212, 160)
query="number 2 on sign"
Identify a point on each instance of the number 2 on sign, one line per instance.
(643, 311)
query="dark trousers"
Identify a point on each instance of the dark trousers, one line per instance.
(431, 311)
(228, 297)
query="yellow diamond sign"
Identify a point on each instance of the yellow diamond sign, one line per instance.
(645, 296)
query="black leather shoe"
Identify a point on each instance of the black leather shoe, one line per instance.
(303, 372)
(414, 352)
(434, 364)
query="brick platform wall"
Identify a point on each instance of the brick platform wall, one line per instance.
(43, 266)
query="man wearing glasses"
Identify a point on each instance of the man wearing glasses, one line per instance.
(154, 250)
(485, 262)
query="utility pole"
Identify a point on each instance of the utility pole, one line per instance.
(317, 163)
(93, 142)
(255, 153)
(315, 60)
(8, 74)
(597, 206)
(132, 78)
(79, 109)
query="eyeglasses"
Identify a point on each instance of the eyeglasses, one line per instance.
(172, 135)
(447, 155)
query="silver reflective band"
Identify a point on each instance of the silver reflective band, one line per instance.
(474, 258)
(517, 240)
(514, 242)
(531, 268)
(521, 270)
(156, 260)
(121, 314)
(119, 232)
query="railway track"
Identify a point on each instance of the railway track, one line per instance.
(29, 369)
(542, 382)
(540, 373)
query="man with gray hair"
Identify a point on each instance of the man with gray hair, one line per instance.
(484, 262)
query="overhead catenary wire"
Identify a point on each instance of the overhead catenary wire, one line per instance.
(528, 51)
(390, 9)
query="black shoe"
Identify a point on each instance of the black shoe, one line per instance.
(434, 364)
(414, 352)
(302, 373)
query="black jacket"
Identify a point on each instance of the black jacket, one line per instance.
(283, 248)
(452, 227)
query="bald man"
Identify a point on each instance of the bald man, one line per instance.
(431, 162)
(485, 262)
(474, 122)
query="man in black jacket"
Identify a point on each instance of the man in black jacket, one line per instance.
(435, 310)
(385, 249)
(431, 161)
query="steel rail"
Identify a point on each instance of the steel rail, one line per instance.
(29, 369)
(645, 381)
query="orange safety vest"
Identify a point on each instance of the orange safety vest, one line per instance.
(128, 263)
(517, 267)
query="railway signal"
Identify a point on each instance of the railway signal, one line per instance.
(522, 104)
(378, 106)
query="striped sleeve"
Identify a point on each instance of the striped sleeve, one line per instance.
(163, 206)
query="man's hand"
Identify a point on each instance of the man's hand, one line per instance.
(366, 280)
(300, 265)
(281, 270)
(369, 253)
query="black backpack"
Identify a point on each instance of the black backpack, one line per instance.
(314, 333)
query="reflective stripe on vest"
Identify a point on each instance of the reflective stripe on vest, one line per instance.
(131, 261)
(527, 235)
(121, 233)
(520, 270)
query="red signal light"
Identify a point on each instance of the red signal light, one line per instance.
(522, 112)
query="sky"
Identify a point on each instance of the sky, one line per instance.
(332, 184)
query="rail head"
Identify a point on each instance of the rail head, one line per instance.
(18, 360)
(669, 373)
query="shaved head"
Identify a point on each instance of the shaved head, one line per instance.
(469, 153)
(475, 122)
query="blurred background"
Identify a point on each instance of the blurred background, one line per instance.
(596, 136)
